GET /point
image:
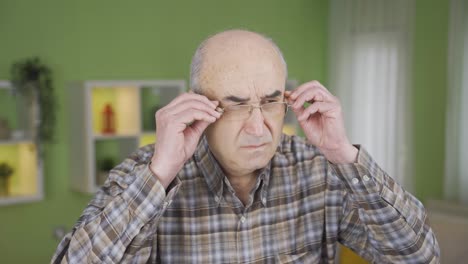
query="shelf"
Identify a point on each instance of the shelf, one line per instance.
(105, 137)
(152, 99)
(14, 114)
(20, 199)
(18, 150)
(15, 141)
(116, 150)
(22, 157)
(133, 105)
(7, 103)
(124, 102)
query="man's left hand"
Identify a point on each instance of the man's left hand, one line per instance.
(322, 121)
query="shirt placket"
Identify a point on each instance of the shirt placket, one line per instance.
(244, 246)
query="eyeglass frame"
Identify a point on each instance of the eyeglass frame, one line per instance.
(222, 110)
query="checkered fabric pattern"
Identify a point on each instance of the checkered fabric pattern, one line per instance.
(301, 207)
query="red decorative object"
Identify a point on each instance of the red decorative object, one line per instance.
(108, 118)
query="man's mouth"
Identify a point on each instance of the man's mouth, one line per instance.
(256, 146)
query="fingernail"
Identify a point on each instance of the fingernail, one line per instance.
(219, 110)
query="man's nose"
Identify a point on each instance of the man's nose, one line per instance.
(254, 125)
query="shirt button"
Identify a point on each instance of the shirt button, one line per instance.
(365, 178)
(216, 199)
(242, 219)
(264, 200)
(355, 180)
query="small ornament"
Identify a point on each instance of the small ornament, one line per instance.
(108, 126)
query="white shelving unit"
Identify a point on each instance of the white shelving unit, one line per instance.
(134, 104)
(19, 150)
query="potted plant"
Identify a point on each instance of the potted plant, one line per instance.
(104, 166)
(5, 172)
(33, 81)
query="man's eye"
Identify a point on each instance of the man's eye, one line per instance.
(237, 106)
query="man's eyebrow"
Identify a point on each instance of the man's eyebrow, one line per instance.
(238, 99)
(272, 95)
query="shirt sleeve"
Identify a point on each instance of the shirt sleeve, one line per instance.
(381, 221)
(118, 224)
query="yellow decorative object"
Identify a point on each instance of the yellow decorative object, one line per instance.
(147, 138)
(100, 97)
(125, 103)
(289, 130)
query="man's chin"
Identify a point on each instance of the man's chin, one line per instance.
(255, 161)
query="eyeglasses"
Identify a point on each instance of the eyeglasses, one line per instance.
(243, 111)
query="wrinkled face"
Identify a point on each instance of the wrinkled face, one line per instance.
(242, 146)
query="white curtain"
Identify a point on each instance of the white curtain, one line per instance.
(456, 166)
(369, 51)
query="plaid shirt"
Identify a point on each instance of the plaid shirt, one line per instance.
(301, 206)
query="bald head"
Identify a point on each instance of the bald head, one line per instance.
(228, 51)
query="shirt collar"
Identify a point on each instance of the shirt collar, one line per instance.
(214, 175)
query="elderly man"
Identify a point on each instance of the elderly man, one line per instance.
(222, 184)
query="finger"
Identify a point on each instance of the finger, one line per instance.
(312, 95)
(191, 96)
(301, 88)
(298, 111)
(190, 117)
(190, 105)
(199, 126)
(317, 107)
(287, 97)
(306, 86)
(323, 88)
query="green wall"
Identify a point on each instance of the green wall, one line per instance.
(429, 96)
(155, 40)
(128, 40)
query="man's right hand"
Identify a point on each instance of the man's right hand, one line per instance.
(179, 126)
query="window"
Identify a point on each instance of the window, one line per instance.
(369, 72)
(456, 165)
